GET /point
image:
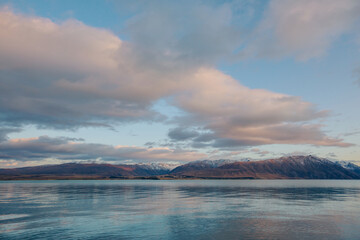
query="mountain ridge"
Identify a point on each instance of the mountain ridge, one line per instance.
(291, 167)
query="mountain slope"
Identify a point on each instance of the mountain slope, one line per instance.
(296, 167)
(201, 165)
(349, 166)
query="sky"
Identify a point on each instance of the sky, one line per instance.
(178, 81)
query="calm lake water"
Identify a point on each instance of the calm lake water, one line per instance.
(189, 209)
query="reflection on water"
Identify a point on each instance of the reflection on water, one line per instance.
(198, 209)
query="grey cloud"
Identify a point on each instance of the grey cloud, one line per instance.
(5, 131)
(199, 138)
(200, 145)
(29, 97)
(184, 34)
(356, 132)
(224, 143)
(150, 144)
(62, 148)
(181, 134)
(205, 137)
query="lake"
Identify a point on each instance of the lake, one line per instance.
(180, 209)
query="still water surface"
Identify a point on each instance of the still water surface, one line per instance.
(189, 209)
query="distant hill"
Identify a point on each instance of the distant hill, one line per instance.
(76, 170)
(294, 167)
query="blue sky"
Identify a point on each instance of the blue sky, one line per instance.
(140, 81)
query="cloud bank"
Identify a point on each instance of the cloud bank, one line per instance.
(60, 148)
(68, 75)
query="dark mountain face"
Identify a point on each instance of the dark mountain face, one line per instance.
(295, 167)
(350, 166)
(201, 165)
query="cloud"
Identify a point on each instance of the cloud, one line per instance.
(68, 75)
(214, 93)
(357, 74)
(225, 136)
(233, 115)
(180, 134)
(5, 131)
(61, 148)
(186, 33)
(279, 134)
(304, 29)
(260, 152)
(355, 132)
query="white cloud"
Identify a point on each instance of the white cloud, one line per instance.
(69, 74)
(239, 116)
(29, 42)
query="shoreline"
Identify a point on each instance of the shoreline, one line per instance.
(158, 178)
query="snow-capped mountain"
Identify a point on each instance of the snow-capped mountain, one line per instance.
(349, 166)
(159, 166)
(292, 167)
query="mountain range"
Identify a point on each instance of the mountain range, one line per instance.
(293, 167)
